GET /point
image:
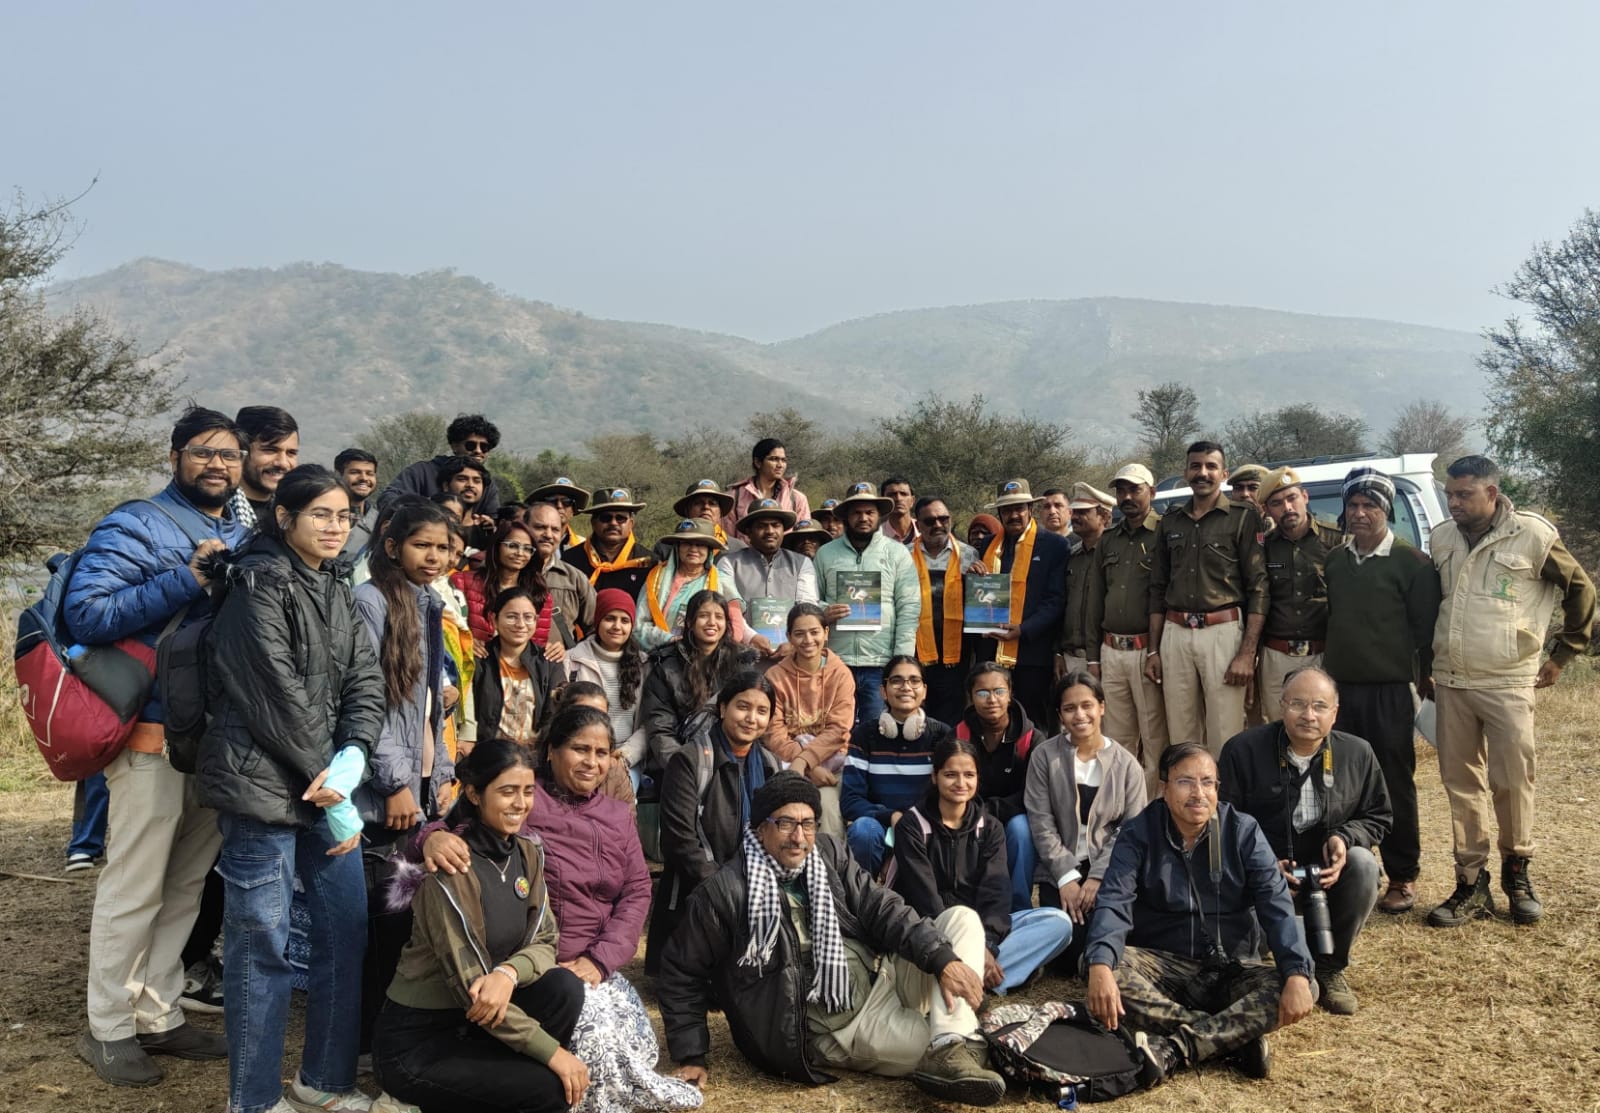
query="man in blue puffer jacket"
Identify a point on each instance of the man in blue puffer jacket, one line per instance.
(138, 570)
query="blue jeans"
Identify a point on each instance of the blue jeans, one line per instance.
(869, 692)
(1021, 855)
(1037, 936)
(865, 838)
(90, 803)
(258, 866)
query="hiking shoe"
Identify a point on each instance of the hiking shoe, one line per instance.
(119, 1062)
(186, 1042)
(78, 862)
(202, 987)
(1518, 888)
(1401, 897)
(307, 1100)
(385, 1103)
(1159, 1058)
(957, 1072)
(1336, 996)
(1254, 1059)
(1470, 901)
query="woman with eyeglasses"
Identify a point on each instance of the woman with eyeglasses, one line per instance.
(297, 704)
(949, 852)
(507, 563)
(512, 685)
(890, 761)
(1082, 787)
(706, 792)
(769, 461)
(996, 722)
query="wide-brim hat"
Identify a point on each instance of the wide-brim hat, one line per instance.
(1278, 479)
(806, 530)
(767, 508)
(862, 493)
(700, 489)
(828, 509)
(560, 486)
(1013, 492)
(611, 498)
(696, 530)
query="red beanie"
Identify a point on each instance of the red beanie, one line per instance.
(614, 599)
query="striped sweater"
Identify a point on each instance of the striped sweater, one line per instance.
(886, 775)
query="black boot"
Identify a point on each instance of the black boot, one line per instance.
(1518, 887)
(1470, 901)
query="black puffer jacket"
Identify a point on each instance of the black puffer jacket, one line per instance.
(944, 867)
(291, 680)
(489, 693)
(666, 703)
(766, 1007)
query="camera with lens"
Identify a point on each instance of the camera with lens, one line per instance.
(1319, 927)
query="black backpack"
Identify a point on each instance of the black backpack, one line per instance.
(181, 676)
(1061, 1051)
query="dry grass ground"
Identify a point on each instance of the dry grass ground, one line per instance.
(1486, 1017)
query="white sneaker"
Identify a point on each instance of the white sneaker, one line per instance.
(383, 1103)
(307, 1100)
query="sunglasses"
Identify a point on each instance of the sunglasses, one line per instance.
(475, 446)
(611, 519)
(561, 500)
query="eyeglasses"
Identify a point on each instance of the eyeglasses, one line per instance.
(560, 500)
(516, 547)
(1189, 784)
(330, 519)
(518, 619)
(935, 519)
(611, 519)
(787, 826)
(992, 693)
(1299, 706)
(903, 682)
(475, 446)
(205, 454)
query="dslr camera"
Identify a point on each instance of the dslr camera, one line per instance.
(1314, 903)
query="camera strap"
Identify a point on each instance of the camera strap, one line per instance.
(1214, 855)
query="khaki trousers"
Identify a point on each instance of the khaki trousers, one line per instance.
(905, 1010)
(831, 821)
(1135, 715)
(1272, 672)
(160, 844)
(1486, 731)
(1201, 706)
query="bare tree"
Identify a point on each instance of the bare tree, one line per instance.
(1428, 426)
(1293, 433)
(1168, 417)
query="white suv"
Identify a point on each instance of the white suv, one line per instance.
(1419, 498)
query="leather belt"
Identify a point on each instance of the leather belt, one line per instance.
(1194, 620)
(1294, 648)
(1127, 641)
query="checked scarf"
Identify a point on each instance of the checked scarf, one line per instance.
(831, 984)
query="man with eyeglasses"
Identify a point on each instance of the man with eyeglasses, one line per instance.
(572, 597)
(569, 499)
(612, 556)
(1319, 796)
(1173, 941)
(941, 561)
(272, 450)
(819, 968)
(142, 566)
(471, 435)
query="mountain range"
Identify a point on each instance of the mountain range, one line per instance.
(339, 347)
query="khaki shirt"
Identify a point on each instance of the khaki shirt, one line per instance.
(1075, 635)
(1298, 593)
(1209, 564)
(1119, 581)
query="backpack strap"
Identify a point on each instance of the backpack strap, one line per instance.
(165, 513)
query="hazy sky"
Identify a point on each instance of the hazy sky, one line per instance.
(769, 169)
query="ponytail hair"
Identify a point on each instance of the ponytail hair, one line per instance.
(480, 769)
(400, 649)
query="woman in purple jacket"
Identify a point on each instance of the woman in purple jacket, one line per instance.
(599, 890)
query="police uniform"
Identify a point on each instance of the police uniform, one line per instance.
(1297, 613)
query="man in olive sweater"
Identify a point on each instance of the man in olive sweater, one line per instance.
(1383, 600)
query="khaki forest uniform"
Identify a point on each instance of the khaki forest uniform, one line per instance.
(1297, 615)
(1499, 596)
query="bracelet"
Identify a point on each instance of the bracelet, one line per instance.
(1149, 653)
(508, 972)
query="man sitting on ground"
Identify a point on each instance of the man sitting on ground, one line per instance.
(1172, 939)
(809, 995)
(1319, 796)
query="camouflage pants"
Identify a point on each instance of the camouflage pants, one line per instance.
(1210, 1012)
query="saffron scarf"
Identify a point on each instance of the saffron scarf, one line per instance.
(926, 650)
(652, 589)
(573, 540)
(1007, 653)
(601, 567)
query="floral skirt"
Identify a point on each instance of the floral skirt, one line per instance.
(615, 1041)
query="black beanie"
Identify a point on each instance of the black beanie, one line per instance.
(781, 789)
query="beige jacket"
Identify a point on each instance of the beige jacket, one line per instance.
(1497, 603)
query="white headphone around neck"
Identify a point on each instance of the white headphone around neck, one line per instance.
(910, 730)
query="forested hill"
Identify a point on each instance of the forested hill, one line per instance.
(338, 347)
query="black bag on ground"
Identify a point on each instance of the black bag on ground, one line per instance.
(1058, 1050)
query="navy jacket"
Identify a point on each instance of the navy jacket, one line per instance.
(133, 575)
(422, 478)
(1045, 602)
(1147, 898)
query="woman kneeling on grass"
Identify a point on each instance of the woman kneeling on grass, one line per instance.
(949, 851)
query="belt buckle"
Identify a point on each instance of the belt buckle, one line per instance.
(1299, 648)
(1124, 641)
(1194, 620)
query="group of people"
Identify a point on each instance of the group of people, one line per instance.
(446, 736)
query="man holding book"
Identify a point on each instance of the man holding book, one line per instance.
(766, 574)
(940, 561)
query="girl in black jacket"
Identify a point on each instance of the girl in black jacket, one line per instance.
(296, 699)
(950, 850)
(996, 723)
(513, 685)
(685, 675)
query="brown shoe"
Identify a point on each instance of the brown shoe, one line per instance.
(1401, 897)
